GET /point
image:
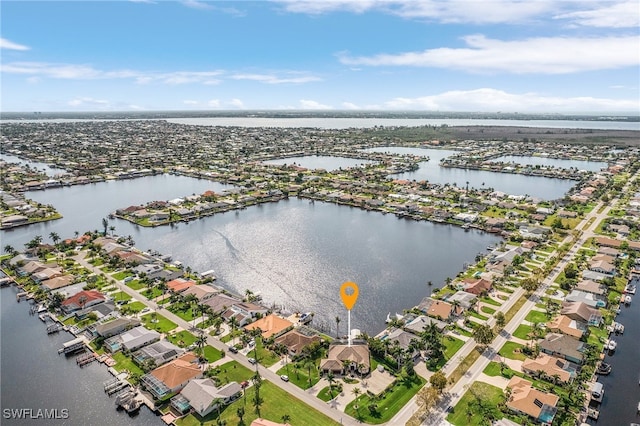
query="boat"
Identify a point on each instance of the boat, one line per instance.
(627, 300)
(604, 368)
(305, 318)
(388, 320)
(618, 328)
(612, 345)
(630, 289)
(593, 413)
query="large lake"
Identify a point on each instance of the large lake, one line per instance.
(514, 184)
(295, 253)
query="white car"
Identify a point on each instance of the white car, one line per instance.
(145, 310)
(252, 360)
(285, 377)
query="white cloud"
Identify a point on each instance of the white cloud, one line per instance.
(542, 55)
(625, 14)
(237, 103)
(88, 102)
(485, 11)
(309, 104)
(214, 103)
(194, 4)
(487, 99)
(190, 102)
(273, 79)
(349, 105)
(7, 44)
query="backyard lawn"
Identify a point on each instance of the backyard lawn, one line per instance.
(125, 363)
(512, 350)
(182, 338)
(159, 323)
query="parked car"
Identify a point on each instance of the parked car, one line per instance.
(285, 377)
(252, 360)
(233, 349)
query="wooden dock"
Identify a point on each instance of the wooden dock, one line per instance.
(85, 359)
(54, 328)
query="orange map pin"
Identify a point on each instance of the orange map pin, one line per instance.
(349, 299)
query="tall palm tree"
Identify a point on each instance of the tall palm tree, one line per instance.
(337, 327)
(331, 379)
(54, 237)
(9, 249)
(285, 418)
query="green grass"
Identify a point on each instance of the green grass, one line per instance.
(121, 295)
(522, 332)
(212, 354)
(265, 356)
(452, 345)
(487, 310)
(122, 275)
(152, 293)
(325, 395)
(185, 315)
(490, 301)
(136, 307)
(300, 376)
(125, 363)
(232, 371)
(492, 369)
(182, 338)
(161, 324)
(537, 316)
(467, 413)
(509, 351)
(477, 315)
(462, 331)
(388, 403)
(276, 403)
(135, 285)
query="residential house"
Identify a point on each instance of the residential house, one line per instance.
(201, 291)
(271, 326)
(565, 325)
(476, 286)
(580, 311)
(588, 299)
(550, 367)
(132, 339)
(563, 346)
(160, 352)
(344, 359)
(179, 285)
(244, 312)
(220, 302)
(114, 327)
(602, 267)
(295, 341)
(439, 309)
(525, 399)
(204, 396)
(82, 300)
(592, 287)
(421, 322)
(57, 282)
(404, 340)
(46, 274)
(463, 299)
(172, 376)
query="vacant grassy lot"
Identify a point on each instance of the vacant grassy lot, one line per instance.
(158, 322)
(477, 404)
(512, 350)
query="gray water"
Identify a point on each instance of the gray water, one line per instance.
(513, 184)
(43, 167)
(622, 386)
(34, 375)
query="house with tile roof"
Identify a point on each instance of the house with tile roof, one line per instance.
(295, 341)
(172, 377)
(524, 398)
(550, 367)
(580, 311)
(563, 346)
(82, 300)
(160, 352)
(132, 339)
(270, 325)
(344, 359)
(565, 325)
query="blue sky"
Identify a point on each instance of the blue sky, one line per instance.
(460, 55)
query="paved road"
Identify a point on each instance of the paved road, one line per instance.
(289, 387)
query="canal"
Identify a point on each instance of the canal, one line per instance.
(622, 386)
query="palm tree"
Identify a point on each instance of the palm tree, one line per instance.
(9, 249)
(356, 392)
(285, 418)
(105, 225)
(337, 327)
(240, 413)
(112, 229)
(310, 364)
(54, 237)
(201, 341)
(331, 379)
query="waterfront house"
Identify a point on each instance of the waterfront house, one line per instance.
(404, 340)
(525, 399)
(172, 376)
(204, 396)
(565, 325)
(179, 285)
(464, 299)
(22, 259)
(439, 309)
(476, 285)
(343, 359)
(590, 286)
(593, 275)
(160, 352)
(132, 340)
(580, 311)
(31, 267)
(271, 326)
(602, 267)
(550, 367)
(563, 346)
(588, 299)
(421, 322)
(46, 274)
(295, 341)
(114, 327)
(57, 282)
(82, 300)
(133, 258)
(220, 302)
(201, 291)
(244, 312)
